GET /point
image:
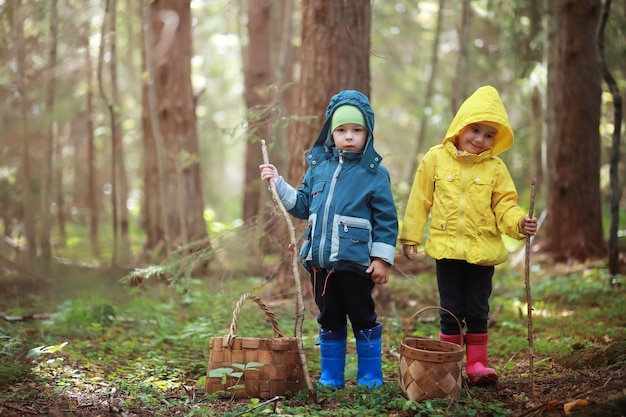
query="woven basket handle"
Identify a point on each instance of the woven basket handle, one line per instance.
(270, 315)
(408, 323)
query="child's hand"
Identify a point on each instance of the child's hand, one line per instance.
(268, 171)
(379, 270)
(409, 250)
(528, 225)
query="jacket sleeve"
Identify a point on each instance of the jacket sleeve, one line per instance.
(419, 202)
(504, 204)
(384, 221)
(297, 202)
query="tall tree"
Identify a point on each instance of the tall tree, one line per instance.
(460, 77)
(173, 203)
(430, 83)
(92, 200)
(615, 143)
(46, 178)
(334, 55)
(117, 133)
(285, 23)
(258, 95)
(26, 175)
(574, 229)
(108, 32)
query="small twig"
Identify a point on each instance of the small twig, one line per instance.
(529, 300)
(264, 403)
(296, 274)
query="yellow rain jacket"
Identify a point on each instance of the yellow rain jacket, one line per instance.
(471, 198)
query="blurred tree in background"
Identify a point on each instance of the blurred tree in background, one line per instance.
(171, 134)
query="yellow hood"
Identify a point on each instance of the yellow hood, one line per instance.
(484, 105)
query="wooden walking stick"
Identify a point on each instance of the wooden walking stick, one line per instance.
(296, 274)
(529, 300)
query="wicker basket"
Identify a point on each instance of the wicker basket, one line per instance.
(280, 373)
(430, 368)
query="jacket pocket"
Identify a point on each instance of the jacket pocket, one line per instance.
(438, 239)
(487, 247)
(481, 190)
(305, 250)
(354, 242)
(317, 192)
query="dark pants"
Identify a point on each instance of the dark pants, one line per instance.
(342, 295)
(464, 289)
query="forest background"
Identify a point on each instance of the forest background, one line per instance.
(120, 157)
(147, 149)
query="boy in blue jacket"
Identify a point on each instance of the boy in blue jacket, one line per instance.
(351, 235)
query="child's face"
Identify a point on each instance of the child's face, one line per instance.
(476, 138)
(350, 137)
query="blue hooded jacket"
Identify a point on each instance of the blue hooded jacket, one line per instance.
(347, 199)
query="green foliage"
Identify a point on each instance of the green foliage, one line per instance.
(225, 373)
(11, 348)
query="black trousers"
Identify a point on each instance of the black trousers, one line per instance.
(341, 296)
(464, 289)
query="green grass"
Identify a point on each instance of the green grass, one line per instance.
(150, 343)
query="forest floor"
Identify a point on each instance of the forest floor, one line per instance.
(590, 380)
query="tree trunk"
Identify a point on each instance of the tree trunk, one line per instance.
(428, 95)
(284, 59)
(48, 148)
(616, 191)
(117, 134)
(111, 110)
(334, 55)
(460, 76)
(257, 95)
(549, 56)
(92, 201)
(178, 183)
(28, 203)
(575, 222)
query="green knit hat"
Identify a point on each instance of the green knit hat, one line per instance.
(347, 114)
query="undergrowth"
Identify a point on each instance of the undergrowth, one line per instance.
(147, 346)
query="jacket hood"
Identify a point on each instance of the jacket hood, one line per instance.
(324, 144)
(485, 106)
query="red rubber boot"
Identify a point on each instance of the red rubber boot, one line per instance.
(476, 367)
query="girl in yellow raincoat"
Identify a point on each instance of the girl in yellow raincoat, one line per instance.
(471, 198)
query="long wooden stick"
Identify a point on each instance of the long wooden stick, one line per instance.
(529, 300)
(296, 274)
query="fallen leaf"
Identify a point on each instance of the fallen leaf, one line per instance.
(573, 404)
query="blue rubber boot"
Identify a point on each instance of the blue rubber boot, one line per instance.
(332, 357)
(369, 350)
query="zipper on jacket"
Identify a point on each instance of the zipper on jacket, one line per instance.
(327, 209)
